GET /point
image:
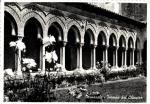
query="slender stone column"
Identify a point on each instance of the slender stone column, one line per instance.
(116, 56)
(43, 51)
(137, 56)
(78, 57)
(140, 56)
(80, 65)
(94, 57)
(130, 57)
(16, 61)
(43, 58)
(19, 59)
(125, 57)
(122, 62)
(106, 54)
(62, 55)
(103, 55)
(133, 56)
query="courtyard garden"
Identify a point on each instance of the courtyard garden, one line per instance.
(131, 90)
(56, 85)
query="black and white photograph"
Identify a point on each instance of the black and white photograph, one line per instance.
(75, 52)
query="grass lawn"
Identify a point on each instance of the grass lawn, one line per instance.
(130, 90)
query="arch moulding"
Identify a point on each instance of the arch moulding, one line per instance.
(15, 16)
(35, 15)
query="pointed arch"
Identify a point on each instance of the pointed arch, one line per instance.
(90, 33)
(102, 39)
(122, 41)
(15, 15)
(35, 15)
(112, 40)
(58, 31)
(59, 24)
(138, 43)
(76, 31)
(104, 31)
(10, 34)
(137, 53)
(77, 27)
(90, 26)
(130, 42)
(72, 48)
(32, 38)
(87, 50)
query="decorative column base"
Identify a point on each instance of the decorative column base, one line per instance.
(64, 69)
(132, 66)
(94, 68)
(79, 69)
(124, 67)
(114, 67)
(19, 72)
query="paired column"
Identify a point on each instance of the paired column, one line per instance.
(19, 59)
(94, 57)
(133, 56)
(103, 54)
(140, 56)
(80, 65)
(106, 54)
(116, 56)
(130, 58)
(122, 56)
(131, 52)
(125, 57)
(79, 56)
(43, 58)
(62, 55)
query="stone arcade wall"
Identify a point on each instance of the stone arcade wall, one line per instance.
(106, 30)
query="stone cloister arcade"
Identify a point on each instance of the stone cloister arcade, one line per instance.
(79, 44)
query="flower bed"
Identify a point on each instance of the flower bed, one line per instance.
(125, 73)
(40, 85)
